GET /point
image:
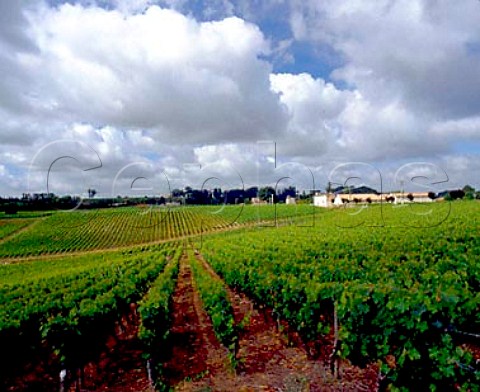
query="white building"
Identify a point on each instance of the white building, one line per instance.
(290, 200)
(338, 201)
(413, 197)
(322, 200)
(330, 200)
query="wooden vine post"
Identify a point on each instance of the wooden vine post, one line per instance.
(333, 356)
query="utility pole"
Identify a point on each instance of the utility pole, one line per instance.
(403, 191)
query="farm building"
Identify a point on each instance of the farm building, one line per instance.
(331, 200)
(257, 200)
(357, 198)
(416, 197)
(290, 200)
(322, 200)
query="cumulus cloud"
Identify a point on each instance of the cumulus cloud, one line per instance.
(417, 51)
(464, 129)
(168, 83)
(190, 81)
(133, 85)
(313, 106)
(341, 124)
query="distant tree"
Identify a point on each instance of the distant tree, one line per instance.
(469, 192)
(290, 191)
(251, 192)
(91, 193)
(410, 197)
(304, 195)
(11, 208)
(431, 195)
(266, 193)
(369, 200)
(457, 194)
(177, 193)
(217, 196)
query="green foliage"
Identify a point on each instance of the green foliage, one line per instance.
(71, 306)
(217, 305)
(266, 193)
(155, 316)
(65, 232)
(400, 292)
(9, 226)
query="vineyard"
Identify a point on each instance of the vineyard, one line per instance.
(64, 232)
(10, 226)
(80, 231)
(272, 298)
(405, 298)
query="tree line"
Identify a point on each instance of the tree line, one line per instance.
(186, 196)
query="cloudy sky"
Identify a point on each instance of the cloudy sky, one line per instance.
(142, 96)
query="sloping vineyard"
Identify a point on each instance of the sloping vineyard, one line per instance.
(64, 232)
(10, 226)
(407, 298)
(265, 213)
(102, 229)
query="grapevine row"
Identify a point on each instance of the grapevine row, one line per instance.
(398, 295)
(73, 313)
(217, 305)
(155, 316)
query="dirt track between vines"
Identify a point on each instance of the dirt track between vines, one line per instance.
(270, 356)
(273, 359)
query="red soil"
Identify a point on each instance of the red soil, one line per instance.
(270, 356)
(273, 359)
(196, 352)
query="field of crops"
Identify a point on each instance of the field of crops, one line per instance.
(67, 307)
(10, 226)
(101, 229)
(407, 297)
(64, 232)
(396, 288)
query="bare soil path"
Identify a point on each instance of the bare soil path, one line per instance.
(196, 352)
(273, 359)
(120, 367)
